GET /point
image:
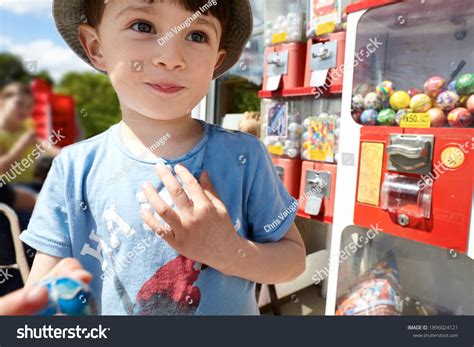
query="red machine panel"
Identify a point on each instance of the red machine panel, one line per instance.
(289, 171)
(417, 184)
(325, 54)
(284, 66)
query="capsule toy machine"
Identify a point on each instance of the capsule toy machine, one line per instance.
(285, 45)
(404, 202)
(281, 131)
(319, 145)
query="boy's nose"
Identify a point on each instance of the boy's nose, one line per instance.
(170, 57)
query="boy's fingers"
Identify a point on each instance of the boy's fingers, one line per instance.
(191, 183)
(210, 191)
(161, 207)
(26, 301)
(154, 224)
(71, 268)
(177, 193)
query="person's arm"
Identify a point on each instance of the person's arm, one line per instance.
(47, 266)
(42, 265)
(8, 158)
(267, 263)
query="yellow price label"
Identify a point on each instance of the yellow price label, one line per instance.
(279, 37)
(317, 154)
(275, 150)
(416, 120)
(325, 28)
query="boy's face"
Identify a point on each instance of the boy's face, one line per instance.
(16, 105)
(143, 61)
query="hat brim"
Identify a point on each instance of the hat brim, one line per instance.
(69, 14)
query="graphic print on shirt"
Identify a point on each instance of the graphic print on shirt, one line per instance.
(171, 289)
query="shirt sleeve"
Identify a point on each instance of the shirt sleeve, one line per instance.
(48, 230)
(271, 209)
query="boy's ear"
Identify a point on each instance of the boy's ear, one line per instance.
(220, 58)
(90, 41)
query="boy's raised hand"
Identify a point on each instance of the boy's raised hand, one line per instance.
(201, 229)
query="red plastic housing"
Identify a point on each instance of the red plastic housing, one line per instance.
(448, 226)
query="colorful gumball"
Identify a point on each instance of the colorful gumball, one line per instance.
(386, 117)
(400, 100)
(401, 113)
(358, 102)
(452, 86)
(465, 84)
(447, 100)
(306, 123)
(420, 103)
(437, 116)
(385, 89)
(413, 91)
(369, 117)
(356, 116)
(362, 89)
(470, 104)
(460, 118)
(373, 101)
(434, 85)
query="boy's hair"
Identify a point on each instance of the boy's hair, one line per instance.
(22, 87)
(94, 10)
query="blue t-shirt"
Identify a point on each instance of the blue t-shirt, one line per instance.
(89, 209)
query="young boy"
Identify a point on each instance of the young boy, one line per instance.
(135, 204)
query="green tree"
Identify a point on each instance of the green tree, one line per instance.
(97, 104)
(12, 69)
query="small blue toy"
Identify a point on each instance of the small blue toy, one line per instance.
(68, 297)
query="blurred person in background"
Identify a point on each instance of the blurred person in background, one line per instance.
(18, 137)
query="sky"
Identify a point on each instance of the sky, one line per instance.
(27, 30)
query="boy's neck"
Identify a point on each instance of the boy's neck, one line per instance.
(150, 139)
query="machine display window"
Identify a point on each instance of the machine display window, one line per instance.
(414, 65)
(380, 274)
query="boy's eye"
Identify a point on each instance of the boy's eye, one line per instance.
(143, 27)
(197, 36)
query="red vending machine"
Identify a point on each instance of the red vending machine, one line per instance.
(404, 193)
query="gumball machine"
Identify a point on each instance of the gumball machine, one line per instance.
(284, 21)
(286, 49)
(404, 192)
(319, 144)
(281, 132)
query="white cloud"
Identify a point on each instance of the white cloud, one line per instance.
(35, 7)
(58, 60)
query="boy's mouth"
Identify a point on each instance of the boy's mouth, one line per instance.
(168, 89)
